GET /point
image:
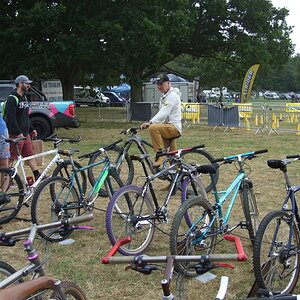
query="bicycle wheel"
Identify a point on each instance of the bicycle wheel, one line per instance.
(112, 183)
(183, 236)
(125, 169)
(54, 200)
(250, 209)
(11, 195)
(130, 215)
(64, 169)
(6, 270)
(275, 260)
(192, 187)
(72, 291)
(202, 157)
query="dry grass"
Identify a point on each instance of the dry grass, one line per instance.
(80, 261)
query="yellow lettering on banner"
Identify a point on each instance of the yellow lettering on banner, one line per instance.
(292, 107)
(245, 109)
(190, 111)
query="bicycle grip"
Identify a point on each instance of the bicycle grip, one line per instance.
(293, 156)
(80, 219)
(260, 151)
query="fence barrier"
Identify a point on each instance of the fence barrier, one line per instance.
(261, 117)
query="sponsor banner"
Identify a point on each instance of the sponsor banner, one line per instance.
(245, 109)
(248, 83)
(190, 111)
(292, 107)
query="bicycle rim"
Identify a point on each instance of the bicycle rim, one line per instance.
(128, 216)
(276, 268)
(53, 200)
(72, 291)
(182, 236)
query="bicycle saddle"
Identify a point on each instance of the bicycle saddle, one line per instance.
(208, 169)
(278, 164)
(23, 290)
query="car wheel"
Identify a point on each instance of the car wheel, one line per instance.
(42, 126)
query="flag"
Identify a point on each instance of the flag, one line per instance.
(248, 83)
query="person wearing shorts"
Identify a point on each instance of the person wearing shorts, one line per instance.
(18, 122)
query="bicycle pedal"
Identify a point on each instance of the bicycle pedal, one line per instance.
(243, 225)
(26, 204)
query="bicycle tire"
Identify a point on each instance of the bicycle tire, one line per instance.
(72, 291)
(64, 169)
(54, 200)
(113, 183)
(6, 270)
(202, 157)
(250, 208)
(125, 170)
(123, 211)
(271, 257)
(182, 235)
(11, 195)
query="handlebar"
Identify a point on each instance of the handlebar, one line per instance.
(248, 155)
(240, 256)
(180, 151)
(133, 130)
(57, 141)
(100, 150)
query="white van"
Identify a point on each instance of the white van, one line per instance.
(90, 97)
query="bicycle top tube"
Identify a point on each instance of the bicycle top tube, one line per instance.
(100, 150)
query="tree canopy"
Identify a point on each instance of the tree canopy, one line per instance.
(85, 41)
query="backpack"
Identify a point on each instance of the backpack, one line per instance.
(4, 105)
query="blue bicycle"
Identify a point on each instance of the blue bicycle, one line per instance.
(197, 223)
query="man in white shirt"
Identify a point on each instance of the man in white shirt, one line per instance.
(166, 124)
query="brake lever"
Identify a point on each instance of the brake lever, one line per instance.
(145, 269)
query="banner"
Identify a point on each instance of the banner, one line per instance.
(248, 83)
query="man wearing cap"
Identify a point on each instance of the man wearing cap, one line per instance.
(18, 123)
(166, 124)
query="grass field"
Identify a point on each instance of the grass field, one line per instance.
(81, 261)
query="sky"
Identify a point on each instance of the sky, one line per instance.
(292, 20)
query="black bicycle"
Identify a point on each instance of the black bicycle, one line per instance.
(276, 250)
(120, 155)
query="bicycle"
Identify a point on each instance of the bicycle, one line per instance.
(59, 197)
(276, 250)
(131, 212)
(16, 192)
(35, 267)
(199, 233)
(201, 264)
(126, 171)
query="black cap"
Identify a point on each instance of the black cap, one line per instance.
(161, 78)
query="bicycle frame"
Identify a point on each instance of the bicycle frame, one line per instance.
(233, 189)
(99, 182)
(35, 266)
(20, 161)
(140, 142)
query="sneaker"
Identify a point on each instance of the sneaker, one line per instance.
(159, 161)
(44, 178)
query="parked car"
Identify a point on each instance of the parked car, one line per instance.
(88, 96)
(285, 96)
(271, 96)
(115, 99)
(45, 116)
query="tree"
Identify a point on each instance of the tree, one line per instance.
(83, 39)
